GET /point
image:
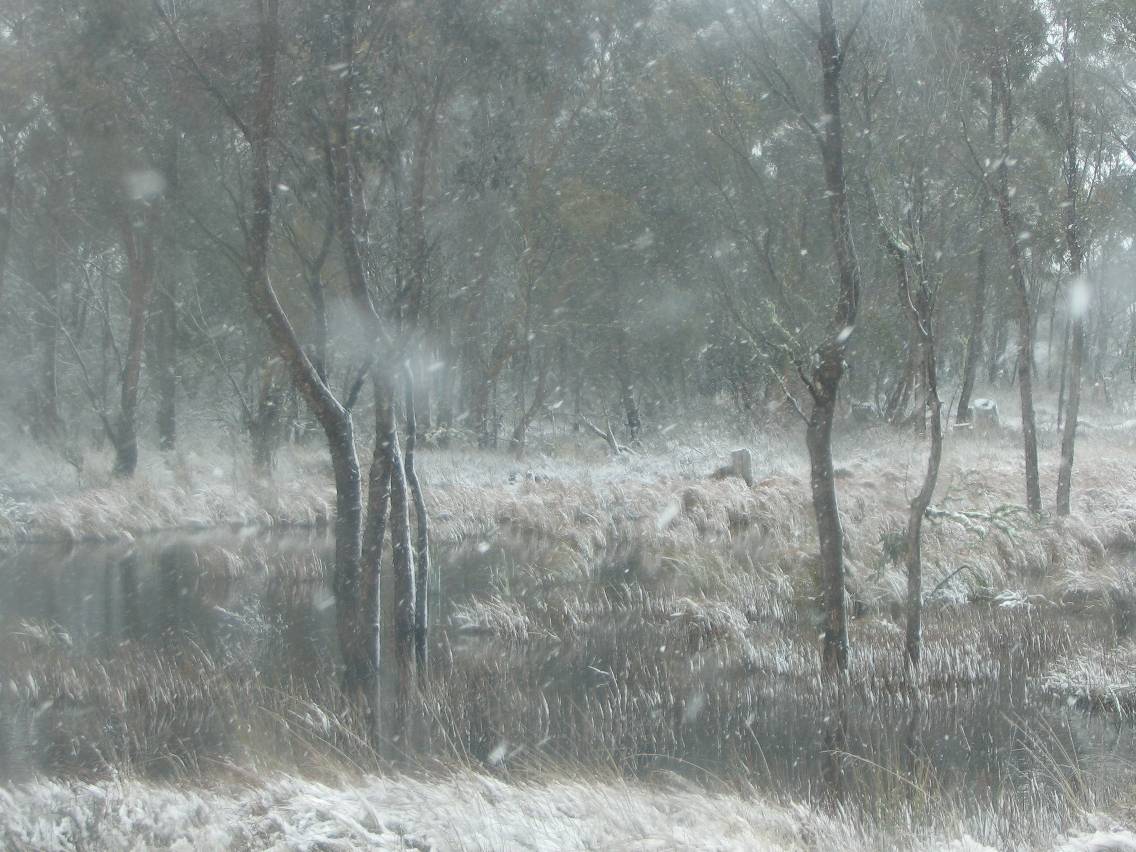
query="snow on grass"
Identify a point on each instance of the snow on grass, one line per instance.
(471, 811)
(1098, 678)
(574, 495)
(466, 811)
(1115, 840)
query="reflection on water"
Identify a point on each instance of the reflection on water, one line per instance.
(610, 671)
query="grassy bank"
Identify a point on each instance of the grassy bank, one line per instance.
(608, 624)
(663, 496)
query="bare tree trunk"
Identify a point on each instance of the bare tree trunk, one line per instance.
(333, 417)
(978, 308)
(919, 306)
(627, 391)
(139, 250)
(319, 304)
(397, 606)
(265, 422)
(378, 515)
(422, 539)
(1021, 295)
(7, 200)
(396, 587)
(481, 409)
(1076, 260)
(631, 414)
(445, 392)
(897, 400)
(994, 361)
(827, 368)
(829, 530)
(47, 319)
(419, 250)
(166, 352)
(1064, 376)
(530, 412)
(977, 320)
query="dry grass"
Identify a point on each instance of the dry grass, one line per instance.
(685, 600)
(578, 501)
(467, 810)
(1097, 677)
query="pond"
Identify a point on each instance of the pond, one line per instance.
(186, 652)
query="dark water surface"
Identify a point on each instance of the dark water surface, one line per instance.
(607, 671)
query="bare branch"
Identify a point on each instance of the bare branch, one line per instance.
(789, 395)
(208, 82)
(847, 40)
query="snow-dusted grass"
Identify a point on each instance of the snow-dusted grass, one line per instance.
(39, 499)
(576, 493)
(576, 496)
(470, 811)
(1100, 678)
(700, 587)
(466, 811)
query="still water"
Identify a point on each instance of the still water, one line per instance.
(164, 651)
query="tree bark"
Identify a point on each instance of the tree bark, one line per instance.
(1010, 227)
(397, 673)
(978, 307)
(397, 606)
(166, 352)
(265, 421)
(138, 246)
(529, 413)
(631, 415)
(378, 515)
(828, 361)
(918, 305)
(1076, 261)
(422, 538)
(333, 418)
(47, 319)
(7, 200)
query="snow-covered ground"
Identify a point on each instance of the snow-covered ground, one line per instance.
(463, 812)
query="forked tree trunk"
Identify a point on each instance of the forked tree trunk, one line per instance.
(335, 420)
(397, 664)
(918, 304)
